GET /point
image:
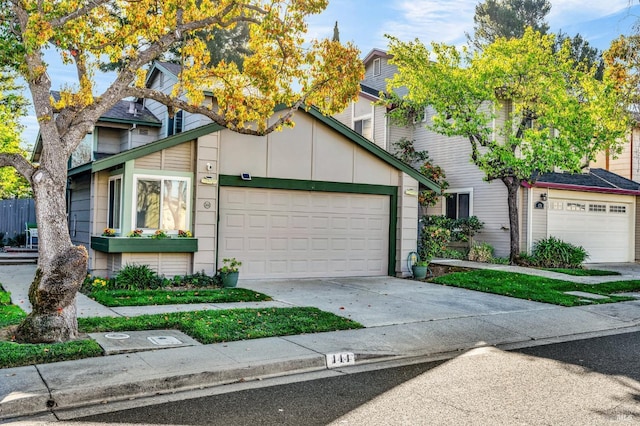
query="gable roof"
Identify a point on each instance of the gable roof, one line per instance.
(331, 122)
(376, 53)
(163, 67)
(119, 113)
(596, 180)
(369, 92)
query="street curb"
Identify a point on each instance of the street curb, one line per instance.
(39, 399)
(94, 393)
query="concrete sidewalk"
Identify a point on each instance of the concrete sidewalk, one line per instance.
(404, 320)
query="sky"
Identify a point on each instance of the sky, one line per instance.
(365, 22)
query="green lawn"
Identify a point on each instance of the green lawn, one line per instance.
(16, 354)
(535, 288)
(9, 314)
(228, 325)
(204, 326)
(116, 298)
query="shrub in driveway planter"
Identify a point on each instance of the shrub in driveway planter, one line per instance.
(482, 252)
(137, 277)
(555, 253)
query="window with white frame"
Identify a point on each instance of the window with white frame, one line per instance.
(420, 116)
(114, 209)
(364, 127)
(377, 67)
(175, 124)
(457, 205)
(161, 202)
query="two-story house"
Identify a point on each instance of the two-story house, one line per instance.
(318, 200)
(595, 209)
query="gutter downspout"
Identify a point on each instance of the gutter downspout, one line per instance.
(530, 220)
(129, 137)
(631, 162)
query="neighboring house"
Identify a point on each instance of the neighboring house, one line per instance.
(317, 200)
(605, 198)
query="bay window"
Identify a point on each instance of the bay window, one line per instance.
(161, 202)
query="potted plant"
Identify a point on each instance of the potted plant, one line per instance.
(420, 269)
(229, 272)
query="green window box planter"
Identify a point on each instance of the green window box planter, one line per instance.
(144, 245)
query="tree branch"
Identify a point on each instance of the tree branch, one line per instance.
(19, 163)
(207, 112)
(83, 11)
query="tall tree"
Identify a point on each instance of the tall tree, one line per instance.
(12, 106)
(283, 69)
(556, 114)
(623, 66)
(582, 52)
(507, 18)
(510, 18)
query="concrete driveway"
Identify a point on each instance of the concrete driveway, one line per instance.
(381, 301)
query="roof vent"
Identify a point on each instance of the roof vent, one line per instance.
(132, 109)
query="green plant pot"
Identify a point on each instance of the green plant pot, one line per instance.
(420, 272)
(230, 279)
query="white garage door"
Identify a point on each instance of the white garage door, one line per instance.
(602, 228)
(282, 233)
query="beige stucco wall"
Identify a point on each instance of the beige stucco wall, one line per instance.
(312, 151)
(205, 211)
(407, 237)
(309, 151)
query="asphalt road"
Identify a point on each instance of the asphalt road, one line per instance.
(585, 381)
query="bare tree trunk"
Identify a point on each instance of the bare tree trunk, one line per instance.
(513, 185)
(61, 266)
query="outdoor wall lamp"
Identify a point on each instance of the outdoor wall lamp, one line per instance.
(543, 197)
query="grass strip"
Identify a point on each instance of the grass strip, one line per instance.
(11, 315)
(228, 325)
(19, 354)
(583, 272)
(539, 289)
(114, 298)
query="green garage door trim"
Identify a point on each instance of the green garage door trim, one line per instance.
(321, 186)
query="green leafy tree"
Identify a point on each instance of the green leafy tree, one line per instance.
(623, 66)
(555, 114)
(582, 52)
(507, 18)
(510, 18)
(404, 150)
(283, 68)
(12, 106)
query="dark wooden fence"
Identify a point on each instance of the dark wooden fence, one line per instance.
(14, 214)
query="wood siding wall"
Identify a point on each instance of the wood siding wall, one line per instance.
(637, 223)
(205, 208)
(167, 264)
(489, 199)
(109, 140)
(627, 163)
(80, 211)
(379, 81)
(179, 158)
(539, 217)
